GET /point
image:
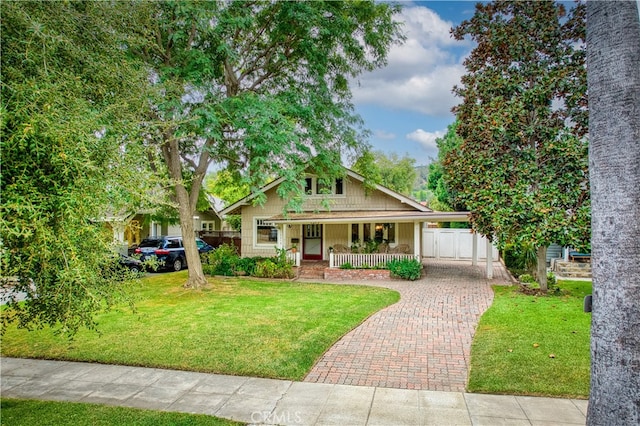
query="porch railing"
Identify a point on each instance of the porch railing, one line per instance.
(358, 260)
(294, 258)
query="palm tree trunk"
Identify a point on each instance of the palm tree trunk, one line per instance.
(613, 63)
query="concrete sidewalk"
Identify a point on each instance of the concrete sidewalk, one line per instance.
(267, 401)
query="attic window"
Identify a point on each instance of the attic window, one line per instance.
(313, 187)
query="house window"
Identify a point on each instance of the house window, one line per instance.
(308, 186)
(385, 232)
(378, 232)
(208, 225)
(266, 233)
(313, 187)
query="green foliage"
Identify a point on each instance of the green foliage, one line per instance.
(227, 185)
(407, 269)
(275, 267)
(522, 168)
(223, 260)
(391, 171)
(346, 265)
(443, 198)
(527, 279)
(71, 101)
(233, 95)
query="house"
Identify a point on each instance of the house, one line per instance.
(129, 229)
(359, 226)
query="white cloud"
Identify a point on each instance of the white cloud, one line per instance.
(383, 134)
(426, 139)
(421, 72)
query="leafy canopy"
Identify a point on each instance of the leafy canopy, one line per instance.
(392, 171)
(70, 102)
(522, 168)
(258, 88)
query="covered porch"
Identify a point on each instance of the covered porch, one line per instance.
(362, 238)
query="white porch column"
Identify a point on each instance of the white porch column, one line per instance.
(417, 248)
(474, 250)
(489, 259)
(282, 236)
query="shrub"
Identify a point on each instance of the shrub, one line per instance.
(221, 261)
(275, 267)
(247, 265)
(346, 265)
(407, 269)
(527, 279)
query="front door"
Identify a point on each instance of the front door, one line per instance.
(312, 242)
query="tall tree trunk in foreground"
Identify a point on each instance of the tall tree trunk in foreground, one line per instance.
(613, 46)
(541, 267)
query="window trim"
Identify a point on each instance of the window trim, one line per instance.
(314, 188)
(269, 244)
(372, 232)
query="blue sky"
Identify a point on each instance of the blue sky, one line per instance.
(407, 104)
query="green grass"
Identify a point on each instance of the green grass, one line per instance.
(532, 345)
(235, 326)
(18, 412)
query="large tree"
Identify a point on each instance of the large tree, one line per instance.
(394, 172)
(70, 106)
(522, 168)
(260, 88)
(443, 199)
(613, 45)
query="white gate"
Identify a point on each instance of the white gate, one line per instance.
(452, 243)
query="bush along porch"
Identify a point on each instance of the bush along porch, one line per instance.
(225, 261)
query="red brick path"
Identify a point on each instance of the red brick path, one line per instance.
(421, 342)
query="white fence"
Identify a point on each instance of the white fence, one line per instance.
(358, 260)
(451, 243)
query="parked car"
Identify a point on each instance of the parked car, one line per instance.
(134, 265)
(169, 251)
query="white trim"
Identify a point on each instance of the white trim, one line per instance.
(270, 244)
(349, 173)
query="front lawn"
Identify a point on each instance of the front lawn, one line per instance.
(532, 345)
(20, 412)
(235, 326)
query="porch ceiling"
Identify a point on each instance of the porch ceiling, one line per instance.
(371, 216)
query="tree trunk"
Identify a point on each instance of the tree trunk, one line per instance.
(196, 275)
(613, 61)
(541, 269)
(186, 208)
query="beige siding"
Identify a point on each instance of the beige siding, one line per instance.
(354, 198)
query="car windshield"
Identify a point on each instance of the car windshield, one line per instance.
(151, 243)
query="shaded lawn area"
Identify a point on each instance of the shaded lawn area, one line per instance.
(235, 326)
(532, 345)
(20, 412)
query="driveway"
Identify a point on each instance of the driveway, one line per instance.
(421, 342)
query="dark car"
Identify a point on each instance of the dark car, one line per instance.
(169, 251)
(134, 265)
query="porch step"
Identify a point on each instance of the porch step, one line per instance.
(572, 269)
(312, 270)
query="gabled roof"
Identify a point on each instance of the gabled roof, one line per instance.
(350, 173)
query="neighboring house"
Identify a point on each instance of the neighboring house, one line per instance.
(355, 217)
(130, 229)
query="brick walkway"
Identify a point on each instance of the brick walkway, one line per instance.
(421, 342)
